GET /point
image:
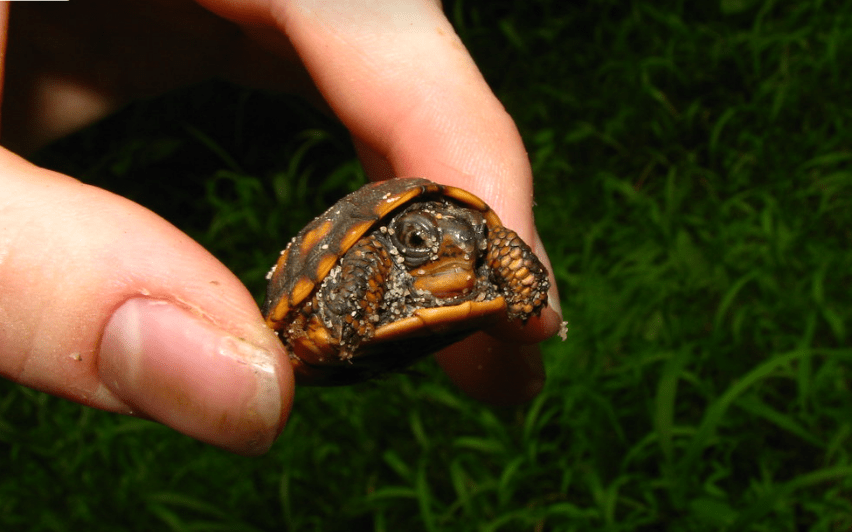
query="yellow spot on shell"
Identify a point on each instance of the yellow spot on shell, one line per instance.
(301, 289)
(310, 238)
(354, 234)
(277, 314)
(466, 197)
(325, 265)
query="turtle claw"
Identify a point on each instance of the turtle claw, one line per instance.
(522, 277)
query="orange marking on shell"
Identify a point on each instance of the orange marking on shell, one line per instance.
(394, 201)
(282, 260)
(325, 265)
(282, 301)
(435, 320)
(465, 197)
(301, 289)
(354, 234)
(310, 239)
(473, 201)
(279, 311)
(441, 319)
(312, 343)
(492, 219)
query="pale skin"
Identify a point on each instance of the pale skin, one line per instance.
(104, 303)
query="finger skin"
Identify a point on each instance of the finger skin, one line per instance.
(76, 260)
(494, 371)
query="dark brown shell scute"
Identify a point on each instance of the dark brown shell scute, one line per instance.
(371, 266)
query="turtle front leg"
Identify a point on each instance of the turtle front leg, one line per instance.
(522, 277)
(353, 296)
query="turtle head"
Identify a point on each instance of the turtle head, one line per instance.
(439, 244)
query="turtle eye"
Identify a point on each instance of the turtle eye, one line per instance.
(416, 237)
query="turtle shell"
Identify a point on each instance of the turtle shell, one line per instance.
(317, 250)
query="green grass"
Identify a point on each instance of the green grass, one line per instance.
(694, 182)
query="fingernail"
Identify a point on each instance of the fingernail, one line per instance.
(179, 369)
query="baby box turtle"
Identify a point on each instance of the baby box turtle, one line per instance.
(395, 271)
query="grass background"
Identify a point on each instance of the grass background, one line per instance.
(693, 166)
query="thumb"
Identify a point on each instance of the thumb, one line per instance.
(104, 303)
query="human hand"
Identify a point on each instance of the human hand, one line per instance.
(104, 303)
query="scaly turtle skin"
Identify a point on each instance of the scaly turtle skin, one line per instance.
(395, 271)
